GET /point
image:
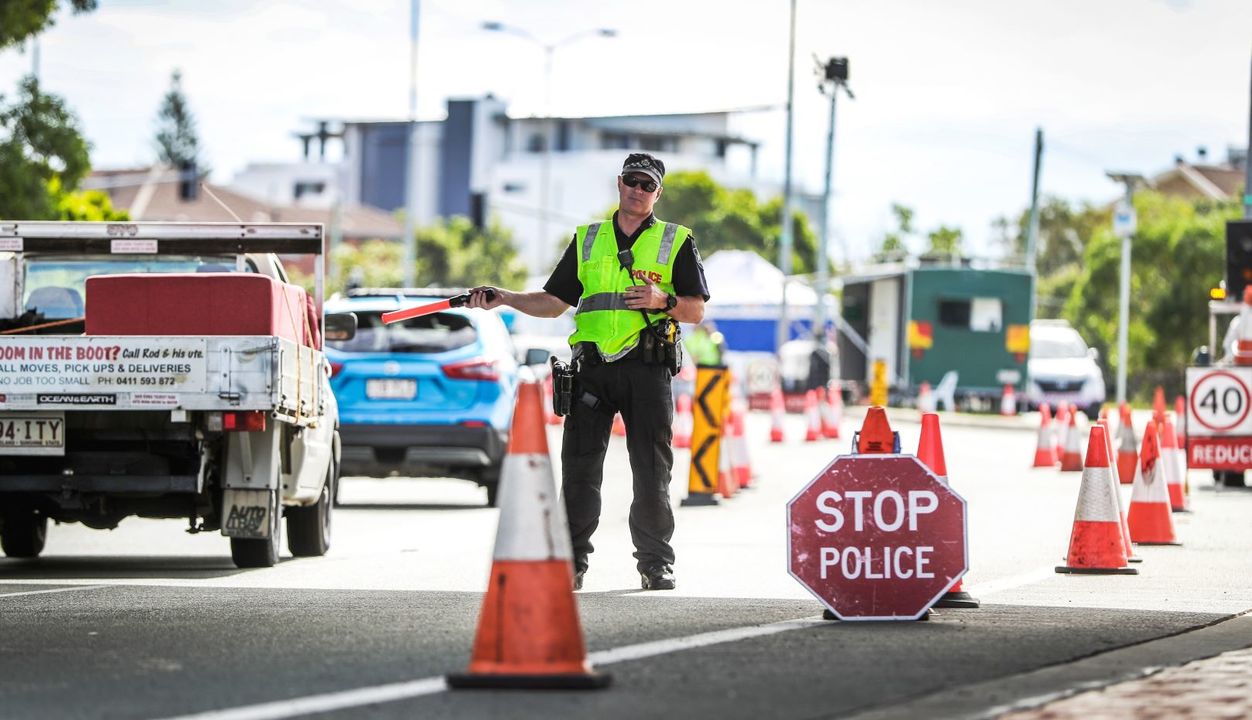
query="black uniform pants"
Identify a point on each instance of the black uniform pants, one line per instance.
(642, 394)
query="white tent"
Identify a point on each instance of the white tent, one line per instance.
(740, 281)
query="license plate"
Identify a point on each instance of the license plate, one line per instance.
(390, 389)
(33, 433)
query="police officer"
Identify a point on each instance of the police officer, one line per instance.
(632, 278)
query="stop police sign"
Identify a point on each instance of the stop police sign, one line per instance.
(877, 537)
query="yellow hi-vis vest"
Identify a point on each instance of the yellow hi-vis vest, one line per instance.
(602, 316)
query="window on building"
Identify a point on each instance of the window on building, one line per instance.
(304, 187)
(976, 314)
(562, 135)
(614, 141)
(659, 143)
(535, 143)
(720, 148)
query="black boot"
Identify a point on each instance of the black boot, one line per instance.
(657, 577)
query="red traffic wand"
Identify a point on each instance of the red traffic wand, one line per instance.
(455, 301)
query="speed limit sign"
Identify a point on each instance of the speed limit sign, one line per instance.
(1218, 401)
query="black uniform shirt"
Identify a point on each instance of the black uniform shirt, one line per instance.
(688, 269)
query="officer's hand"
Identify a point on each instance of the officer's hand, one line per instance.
(479, 295)
(645, 297)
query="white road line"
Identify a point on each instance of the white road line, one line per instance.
(54, 590)
(327, 702)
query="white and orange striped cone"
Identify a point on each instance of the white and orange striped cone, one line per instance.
(814, 431)
(1045, 448)
(1117, 493)
(529, 635)
(1151, 518)
(1175, 467)
(1127, 455)
(683, 421)
(930, 453)
(1071, 456)
(835, 394)
(1008, 401)
(777, 416)
(1096, 544)
(619, 425)
(740, 462)
(828, 427)
(1243, 344)
(925, 398)
(1180, 420)
(1158, 403)
(726, 484)
(1062, 428)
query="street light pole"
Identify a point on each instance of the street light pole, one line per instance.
(834, 74)
(545, 160)
(410, 160)
(784, 243)
(1124, 227)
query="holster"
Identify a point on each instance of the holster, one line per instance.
(562, 387)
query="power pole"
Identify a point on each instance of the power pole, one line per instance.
(1247, 164)
(410, 160)
(834, 74)
(1032, 230)
(1124, 227)
(784, 249)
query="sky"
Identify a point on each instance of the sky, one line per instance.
(948, 92)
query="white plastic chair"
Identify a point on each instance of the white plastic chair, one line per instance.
(945, 391)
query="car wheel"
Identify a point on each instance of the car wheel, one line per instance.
(23, 532)
(308, 528)
(260, 552)
(490, 479)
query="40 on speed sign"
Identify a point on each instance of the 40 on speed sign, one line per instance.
(1218, 401)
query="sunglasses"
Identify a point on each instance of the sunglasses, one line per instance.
(633, 181)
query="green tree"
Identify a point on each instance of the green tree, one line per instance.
(1065, 229)
(945, 242)
(86, 205)
(1178, 253)
(176, 141)
(20, 19)
(733, 219)
(42, 154)
(895, 245)
(451, 253)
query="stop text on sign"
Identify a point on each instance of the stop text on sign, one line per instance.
(890, 511)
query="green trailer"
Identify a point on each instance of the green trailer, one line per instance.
(925, 322)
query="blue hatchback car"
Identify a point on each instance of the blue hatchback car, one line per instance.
(430, 396)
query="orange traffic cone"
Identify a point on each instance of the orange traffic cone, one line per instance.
(682, 421)
(777, 414)
(1175, 467)
(1127, 456)
(1045, 449)
(1062, 428)
(814, 431)
(726, 485)
(835, 394)
(930, 452)
(1117, 493)
(1243, 345)
(876, 435)
(1096, 544)
(823, 412)
(740, 462)
(529, 635)
(925, 398)
(1151, 519)
(1071, 457)
(1008, 401)
(1180, 415)
(1158, 403)
(826, 412)
(619, 425)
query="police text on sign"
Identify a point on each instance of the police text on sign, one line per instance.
(889, 511)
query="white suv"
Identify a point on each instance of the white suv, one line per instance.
(1062, 368)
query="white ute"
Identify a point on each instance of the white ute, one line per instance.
(141, 376)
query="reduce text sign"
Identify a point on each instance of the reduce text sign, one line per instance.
(877, 537)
